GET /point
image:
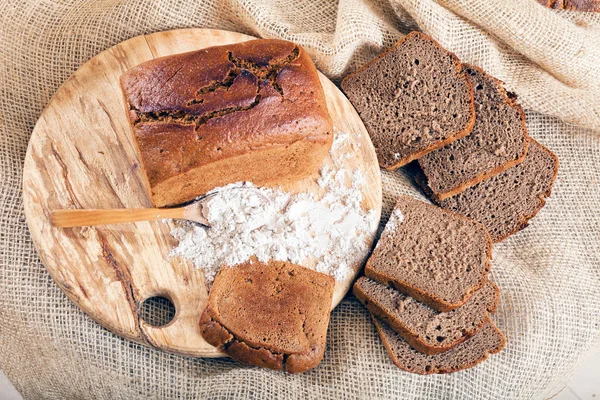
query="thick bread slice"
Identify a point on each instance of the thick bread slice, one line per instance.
(437, 257)
(488, 340)
(499, 141)
(413, 98)
(506, 202)
(273, 315)
(424, 328)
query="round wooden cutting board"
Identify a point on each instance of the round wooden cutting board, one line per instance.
(81, 155)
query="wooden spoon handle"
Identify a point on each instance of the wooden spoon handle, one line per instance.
(72, 218)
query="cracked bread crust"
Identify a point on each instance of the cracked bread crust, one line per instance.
(273, 315)
(253, 111)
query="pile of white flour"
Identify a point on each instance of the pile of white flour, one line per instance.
(330, 235)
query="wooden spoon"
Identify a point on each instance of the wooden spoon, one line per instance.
(71, 218)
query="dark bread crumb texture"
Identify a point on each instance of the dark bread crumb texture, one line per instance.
(506, 202)
(273, 315)
(435, 256)
(498, 141)
(412, 99)
(425, 329)
(488, 340)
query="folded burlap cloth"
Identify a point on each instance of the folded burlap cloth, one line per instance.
(549, 273)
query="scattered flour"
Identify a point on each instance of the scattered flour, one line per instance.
(395, 218)
(330, 234)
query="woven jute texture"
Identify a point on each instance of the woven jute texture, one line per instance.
(549, 273)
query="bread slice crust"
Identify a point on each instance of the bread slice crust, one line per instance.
(511, 100)
(437, 145)
(523, 220)
(410, 334)
(419, 294)
(438, 364)
(273, 315)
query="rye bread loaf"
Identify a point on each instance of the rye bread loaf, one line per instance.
(575, 5)
(437, 257)
(425, 329)
(273, 314)
(499, 141)
(413, 99)
(487, 340)
(253, 111)
(506, 202)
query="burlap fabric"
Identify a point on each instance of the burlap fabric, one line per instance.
(549, 274)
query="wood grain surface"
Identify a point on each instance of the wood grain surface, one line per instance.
(81, 155)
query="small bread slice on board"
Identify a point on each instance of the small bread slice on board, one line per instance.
(425, 329)
(506, 202)
(499, 141)
(273, 315)
(438, 257)
(487, 340)
(413, 98)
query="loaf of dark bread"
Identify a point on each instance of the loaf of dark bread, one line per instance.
(576, 5)
(273, 315)
(439, 258)
(488, 340)
(425, 329)
(253, 111)
(499, 141)
(506, 202)
(413, 99)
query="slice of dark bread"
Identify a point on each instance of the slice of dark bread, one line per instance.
(413, 98)
(499, 141)
(488, 340)
(506, 202)
(437, 257)
(273, 314)
(424, 328)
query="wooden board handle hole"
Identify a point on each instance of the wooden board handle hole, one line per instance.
(157, 311)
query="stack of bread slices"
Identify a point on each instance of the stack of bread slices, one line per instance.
(465, 141)
(465, 131)
(428, 291)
